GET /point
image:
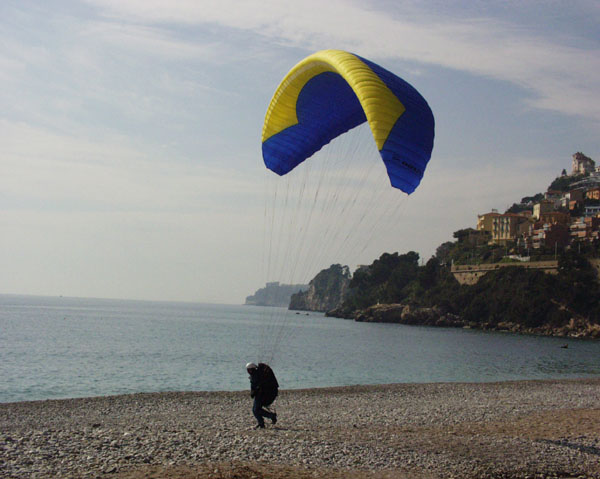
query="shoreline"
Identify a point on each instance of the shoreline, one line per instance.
(418, 430)
(577, 328)
(318, 389)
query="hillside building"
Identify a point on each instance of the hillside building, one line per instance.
(544, 206)
(591, 211)
(508, 227)
(582, 164)
(585, 229)
(473, 237)
(572, 199)
(485, 221)
(593, 194)
(551, 235)
(553, 217)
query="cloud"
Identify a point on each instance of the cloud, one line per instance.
(62, 172)
(149, 40)
(558, 76)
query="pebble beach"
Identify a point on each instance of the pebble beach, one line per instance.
(521, 429)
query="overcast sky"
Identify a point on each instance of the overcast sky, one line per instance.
(130, 160)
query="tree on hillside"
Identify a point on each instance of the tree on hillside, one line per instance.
(531, 200)
(581, 288)
(383, 281)
(404, 272)
(563, 183)
(511, 294)
(443, 252)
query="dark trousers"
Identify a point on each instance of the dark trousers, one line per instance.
(259, 412)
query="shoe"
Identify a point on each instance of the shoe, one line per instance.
(274, 418)
(259, 426)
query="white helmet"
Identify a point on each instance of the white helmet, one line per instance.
(251, 366)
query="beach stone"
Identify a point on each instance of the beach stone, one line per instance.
(514, 429)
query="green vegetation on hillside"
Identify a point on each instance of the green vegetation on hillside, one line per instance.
(395, 278)
(516, 295)
(466, 253)
(526, 203)
(563, 183)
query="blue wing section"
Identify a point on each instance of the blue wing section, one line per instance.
(408, 148)
(326, 108)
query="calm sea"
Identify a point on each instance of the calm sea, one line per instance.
(73, 347)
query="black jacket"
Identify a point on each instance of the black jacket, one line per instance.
(263, 384)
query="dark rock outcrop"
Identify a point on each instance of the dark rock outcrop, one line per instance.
(404, 314)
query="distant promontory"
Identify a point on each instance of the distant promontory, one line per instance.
(275, 294)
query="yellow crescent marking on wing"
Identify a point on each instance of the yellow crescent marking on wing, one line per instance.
(382, 108)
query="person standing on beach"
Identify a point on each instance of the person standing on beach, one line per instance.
(264, 389)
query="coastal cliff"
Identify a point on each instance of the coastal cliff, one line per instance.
(325, 292)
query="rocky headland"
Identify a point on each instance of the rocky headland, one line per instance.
(577, 327)
(325, 291)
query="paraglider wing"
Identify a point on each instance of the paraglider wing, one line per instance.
(331, 92)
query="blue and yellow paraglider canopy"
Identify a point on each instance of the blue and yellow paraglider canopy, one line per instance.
(331, 92)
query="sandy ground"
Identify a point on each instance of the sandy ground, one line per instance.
(531, 429)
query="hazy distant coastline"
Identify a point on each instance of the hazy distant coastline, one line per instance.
(275, 294)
